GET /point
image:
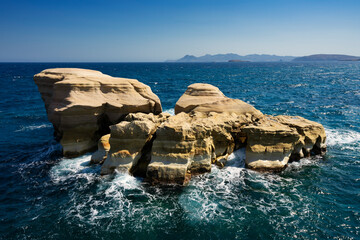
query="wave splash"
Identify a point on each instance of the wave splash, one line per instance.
(74, 168)
(346, 139)
(123, 200)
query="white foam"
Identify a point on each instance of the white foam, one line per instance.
(170, 110)
(298, 85)
(237, 158)
(200, 199)
(74, 168)
(111, 198)
(33, 127)
(340, 137)
(303, 162)
(122, 181)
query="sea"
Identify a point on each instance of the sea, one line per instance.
(44, 195)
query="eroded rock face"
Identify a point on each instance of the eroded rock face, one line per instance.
(274, 140)
(187, 144)
(198, 94)
(312, 136)
(207, 127)
(131, 142)
(207, 131)
(201, 97)
(81, 104)
(103, 148)
(269, 144)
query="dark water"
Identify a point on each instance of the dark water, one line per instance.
(45, 196)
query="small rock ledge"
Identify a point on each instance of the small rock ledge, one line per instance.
(133, 136)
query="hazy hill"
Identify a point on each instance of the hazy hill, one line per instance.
(232, 56)
(327, 57)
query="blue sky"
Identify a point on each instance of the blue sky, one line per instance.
(138, 30)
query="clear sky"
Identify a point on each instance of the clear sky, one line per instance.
(139, 30)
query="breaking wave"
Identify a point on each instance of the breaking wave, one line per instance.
(346, 139)
(74, 168)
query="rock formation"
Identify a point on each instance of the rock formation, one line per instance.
(201, 133)
(187, 144)
(137, 138)
(82, 104)
(103, 149)
(207, 128)
(273, 141)
(131, 142)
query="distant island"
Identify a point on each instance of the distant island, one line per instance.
(327, 57)
(237, 61)
(234, 57)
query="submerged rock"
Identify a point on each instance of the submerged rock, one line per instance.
(81, 104)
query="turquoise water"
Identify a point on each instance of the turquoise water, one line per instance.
(46, 196)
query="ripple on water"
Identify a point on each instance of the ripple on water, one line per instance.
(33, 127)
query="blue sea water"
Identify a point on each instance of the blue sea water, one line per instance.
(46, 196)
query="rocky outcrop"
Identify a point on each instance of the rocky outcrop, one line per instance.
(198, 94)
(103, 148)
(171, 149)
(205, 130)
(175, 147)
(269, 144)
(82, 104)
(200, 97)
(131, 142)
(137, 138)
(187, 144)
(312, 136)
(275, 140)
(271, 141)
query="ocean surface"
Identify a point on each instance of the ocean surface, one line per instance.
(46, 196)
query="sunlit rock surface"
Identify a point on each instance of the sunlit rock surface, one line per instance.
(274, 140)
(137, 138)
(103, 148)
(81, 104)
(131, 142)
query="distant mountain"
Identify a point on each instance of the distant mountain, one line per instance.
(327, 57)
(237, 61)
(232, 56)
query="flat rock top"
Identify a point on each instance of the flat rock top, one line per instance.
(296, 121)
(77, 71)
(79, 76)
(67, 87)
